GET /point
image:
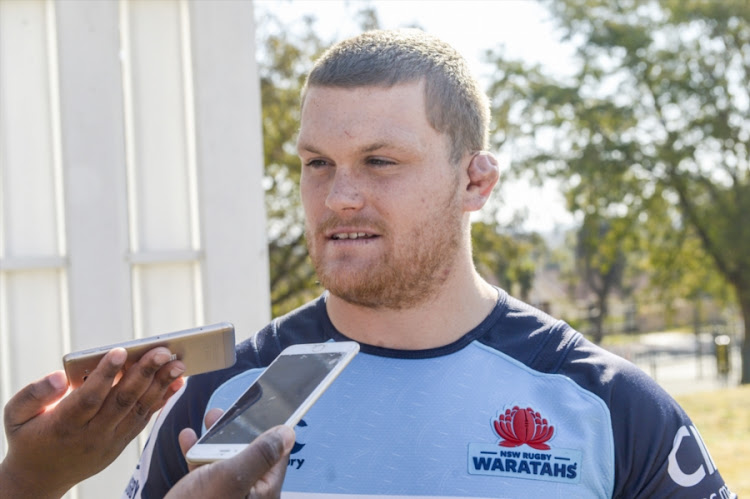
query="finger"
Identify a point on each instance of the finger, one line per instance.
(85, 402)
(133, 384)
(247, 471)
(175, 387)
(269, 485)
(166, 383)
(212, 416)
(259, 469)
(154, 396)
(187, 436)
(187, 439)
(33, 399)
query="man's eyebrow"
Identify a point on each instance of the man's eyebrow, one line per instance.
(391, 145)
(375, 146)
(301, 146)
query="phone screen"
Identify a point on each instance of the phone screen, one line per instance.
(273, 398)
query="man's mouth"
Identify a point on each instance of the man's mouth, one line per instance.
(352, 235)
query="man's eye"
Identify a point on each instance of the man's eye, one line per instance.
(316, 163)
(379, 162)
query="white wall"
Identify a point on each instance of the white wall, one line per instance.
(130, 181)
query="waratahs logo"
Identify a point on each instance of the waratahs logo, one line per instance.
(523, 426)
(523, 451)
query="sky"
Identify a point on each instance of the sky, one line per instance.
(521, 28)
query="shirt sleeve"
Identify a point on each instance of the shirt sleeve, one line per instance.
(659, 452)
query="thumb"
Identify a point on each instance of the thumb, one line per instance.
(212, 416)
(187, 439)
(263, 454)
(34, 398)
(259, 467)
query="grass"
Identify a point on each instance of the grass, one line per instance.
(723, 419)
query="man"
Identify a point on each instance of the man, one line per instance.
(57, 439)
(459, 389)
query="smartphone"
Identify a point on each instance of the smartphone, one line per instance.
(282, 394)
(202, 349)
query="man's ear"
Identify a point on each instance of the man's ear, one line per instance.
(484, 173)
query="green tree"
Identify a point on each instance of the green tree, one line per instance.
(285, 56)
(657, 113)
(505, 258)
(600, 260)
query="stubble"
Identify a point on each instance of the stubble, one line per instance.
(409, 273)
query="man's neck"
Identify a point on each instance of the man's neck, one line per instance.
(455, 310)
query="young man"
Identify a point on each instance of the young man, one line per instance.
(459, 390)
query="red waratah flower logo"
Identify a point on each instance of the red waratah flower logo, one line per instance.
(523, 426)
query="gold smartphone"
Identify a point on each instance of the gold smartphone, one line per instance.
(201, 349)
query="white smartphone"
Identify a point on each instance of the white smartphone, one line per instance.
(202, 349)
(282, 394)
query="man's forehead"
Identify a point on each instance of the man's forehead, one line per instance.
(373, 114)
(414, 89)
(372, 140)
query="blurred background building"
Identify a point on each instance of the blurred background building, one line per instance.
(130, 181)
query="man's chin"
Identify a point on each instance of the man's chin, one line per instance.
(368, 296)
(362, 300)
(350, 289)
(346, 274)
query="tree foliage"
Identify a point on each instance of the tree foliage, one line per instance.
(285, 57)
(506, 257)
(653, 126)
(600, 259)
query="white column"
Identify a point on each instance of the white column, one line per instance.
(33, 306)
(94, 159)
(131, 166)
(230, 159)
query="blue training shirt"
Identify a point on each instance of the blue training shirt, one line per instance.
(521, 406)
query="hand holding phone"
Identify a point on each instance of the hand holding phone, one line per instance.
(257, 471)
(282, 394)
(201, 349)
(57, 438)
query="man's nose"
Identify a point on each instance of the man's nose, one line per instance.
(346, 192)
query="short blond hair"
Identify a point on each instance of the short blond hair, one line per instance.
(455, 103)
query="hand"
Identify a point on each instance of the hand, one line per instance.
(51, 448)
(256, 472)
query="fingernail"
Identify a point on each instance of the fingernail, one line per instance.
(176, 372)
(118, 356)
(58, 381)
(287, 436)
(162, 358)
